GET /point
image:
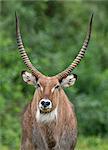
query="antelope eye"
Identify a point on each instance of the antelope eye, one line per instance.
(38, 85)
(57, 86)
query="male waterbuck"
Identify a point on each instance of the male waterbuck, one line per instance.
(49, 121)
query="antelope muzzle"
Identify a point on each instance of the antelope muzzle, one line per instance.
(45, 105)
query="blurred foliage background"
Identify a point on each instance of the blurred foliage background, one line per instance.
(53, 33)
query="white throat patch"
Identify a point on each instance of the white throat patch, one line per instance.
(47, 117)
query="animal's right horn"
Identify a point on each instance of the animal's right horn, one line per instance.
(80, 55)
(23, 52)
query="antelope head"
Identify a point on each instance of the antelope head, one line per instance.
(49, 89)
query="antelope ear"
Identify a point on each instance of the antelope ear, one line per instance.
(28, 78)
(69, 80)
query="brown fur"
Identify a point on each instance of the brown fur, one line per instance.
(59, 134)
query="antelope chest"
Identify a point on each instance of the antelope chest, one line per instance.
(44, 136)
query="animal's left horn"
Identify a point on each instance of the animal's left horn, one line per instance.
(80, 55)
(23, 52)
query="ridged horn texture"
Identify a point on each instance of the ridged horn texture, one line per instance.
(23, 52)
(80, 55)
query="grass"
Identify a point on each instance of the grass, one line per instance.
(92, 143)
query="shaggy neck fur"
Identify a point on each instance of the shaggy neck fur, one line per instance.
(46, 117)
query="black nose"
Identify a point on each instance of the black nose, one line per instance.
(45, 103)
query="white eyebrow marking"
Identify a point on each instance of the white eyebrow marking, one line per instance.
(41, 88)
(52, 90)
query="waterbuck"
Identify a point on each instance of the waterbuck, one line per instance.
(49, 121)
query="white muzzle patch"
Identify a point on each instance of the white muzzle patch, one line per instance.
(46, 117)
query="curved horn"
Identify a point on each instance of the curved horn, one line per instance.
(80, 55)
(23, 52)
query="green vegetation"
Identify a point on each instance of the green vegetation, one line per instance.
(92, 143)
(53, 32)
